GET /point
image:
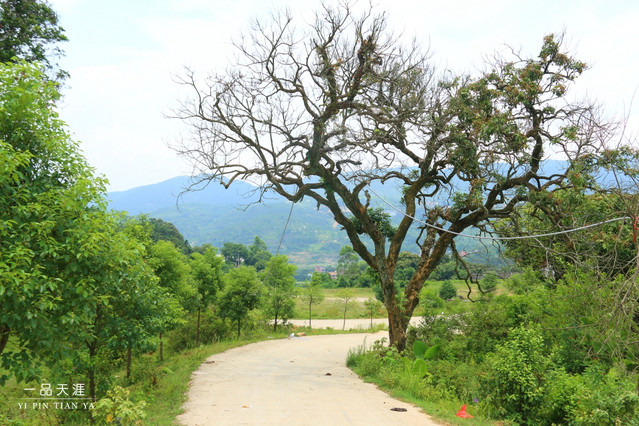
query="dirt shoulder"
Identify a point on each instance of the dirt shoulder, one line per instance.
(298, 381)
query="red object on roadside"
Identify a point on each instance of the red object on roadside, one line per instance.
(463, 414)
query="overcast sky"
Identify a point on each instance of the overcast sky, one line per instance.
(123, 55)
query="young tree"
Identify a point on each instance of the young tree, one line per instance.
(346, 295)
(447, 291)
(326, 111)
(312, 294)
(174, 275)
(372, 307)
(243, 293)
(29, 30)
(119, 304)
(206, 269)
(489, 282)
(279, 283)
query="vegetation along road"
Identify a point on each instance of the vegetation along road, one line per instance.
(298, 381)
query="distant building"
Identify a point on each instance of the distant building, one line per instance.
(319, 269)
(333, 274)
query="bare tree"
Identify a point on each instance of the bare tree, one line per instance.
(326, 110)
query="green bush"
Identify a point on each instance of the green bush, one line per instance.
(447, 290)
(605, 398)
(514, 382)
(430, 300)
(116, 407)
(212, 329)
(489, 282)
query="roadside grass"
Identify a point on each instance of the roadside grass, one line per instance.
(390, 375)
(11, 394)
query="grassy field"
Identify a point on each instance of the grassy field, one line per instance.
(333, 307)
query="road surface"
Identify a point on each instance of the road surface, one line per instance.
(298, 381)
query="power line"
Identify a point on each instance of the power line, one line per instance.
(480, 237)
(284, 231)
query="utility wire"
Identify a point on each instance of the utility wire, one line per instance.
(284, 231)
(480, 237)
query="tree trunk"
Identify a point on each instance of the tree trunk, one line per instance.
(344, 323)
(396, 323)
(128, 362)
(92, 351)
(197, 330)
(4, 336)
(310, 315)
(238, 329)
(161, 348)
(275, 323)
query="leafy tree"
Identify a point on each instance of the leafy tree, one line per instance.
(329, 114)
(445, 270)
(312, 294)
(279, 283)
(324, 278)
(172, 269)
(608, 249)
(119, 304)
(46, 191)
(243, 293)
(166, 231)
(347, 265)
(447, 290)
(258, 254)
(234, 253)
(206, 269)
(29, 30)
(407, 264)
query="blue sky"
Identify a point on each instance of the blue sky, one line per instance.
(123, 55)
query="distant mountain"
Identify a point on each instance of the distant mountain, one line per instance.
(171, 193)
(216, 215)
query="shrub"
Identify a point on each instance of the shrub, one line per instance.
(447, 290)
(514, 382)
(429, 299)
(212, 329)
(116, 407)
(489, 282)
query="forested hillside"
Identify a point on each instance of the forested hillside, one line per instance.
(215, 215)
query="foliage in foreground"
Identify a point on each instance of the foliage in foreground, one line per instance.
(532, 358)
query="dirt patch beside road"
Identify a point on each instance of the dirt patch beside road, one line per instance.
(298, 381)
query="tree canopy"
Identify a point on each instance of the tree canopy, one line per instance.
(324, 110)
(30, 31)
(48, 197)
